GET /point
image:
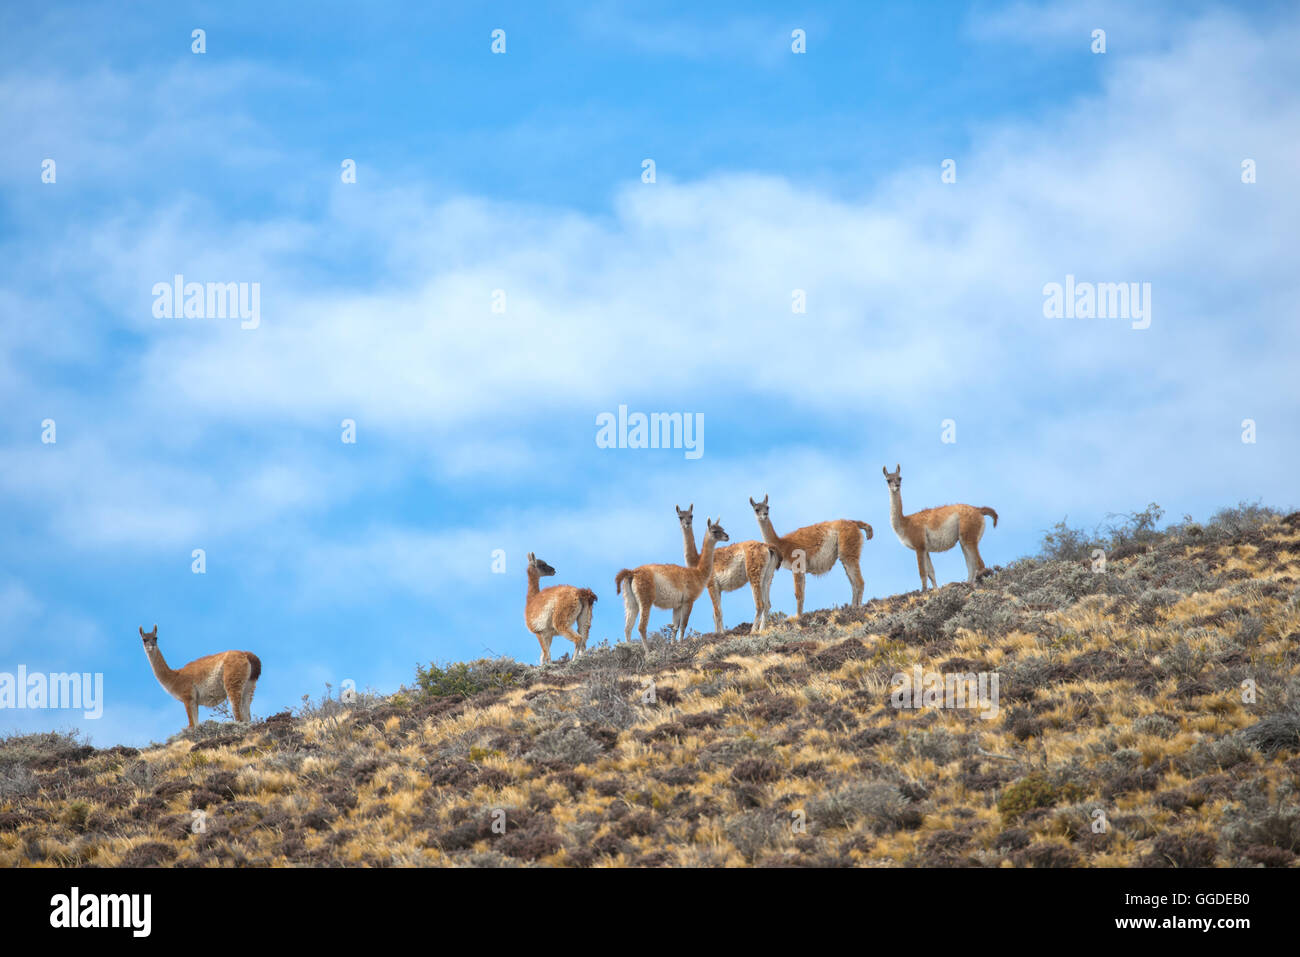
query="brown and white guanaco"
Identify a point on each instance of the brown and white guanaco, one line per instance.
(814, 549)
(207, 681)
(937, 530)
(554, 611)
(733, 566)
(667, 586)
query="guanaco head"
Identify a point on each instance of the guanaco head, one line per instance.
(684, 516)
(893, 479)
(760, 508)
(539, 566)
(150, 637)
(715, 530)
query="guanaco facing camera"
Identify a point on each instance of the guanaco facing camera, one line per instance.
(937, 530)
(207, 681)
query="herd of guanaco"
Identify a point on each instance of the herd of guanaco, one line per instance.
(812, 550)
(566, 610)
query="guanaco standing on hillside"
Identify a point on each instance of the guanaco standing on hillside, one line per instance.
(733, 565)
(668, 586)
(937, 530)
(208, 680)
(553, 611)
(814, 549)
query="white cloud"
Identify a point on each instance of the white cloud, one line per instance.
(923, 299)
(688, 285)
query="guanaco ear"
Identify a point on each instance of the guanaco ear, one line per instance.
(764, 499)
(884, 471)
(897, 469)
(142, 631)
(751, 501)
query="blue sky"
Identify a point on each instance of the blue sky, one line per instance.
(521, 172)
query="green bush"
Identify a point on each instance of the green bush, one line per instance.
(468, 678)
(1028, 793)
(1065, 544)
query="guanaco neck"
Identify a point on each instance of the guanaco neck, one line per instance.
(534, 581)
(896, 510)
(705, 562)
(769, 533)
(164, 674)
(692, 554)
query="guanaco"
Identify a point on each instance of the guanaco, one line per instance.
(733, 566)
(208, 680)
(668, 586)
(814, 549)
(553, 611)
(937, 530)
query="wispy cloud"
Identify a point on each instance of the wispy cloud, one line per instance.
(753, 37)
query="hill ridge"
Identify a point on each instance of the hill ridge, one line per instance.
(1122, 736)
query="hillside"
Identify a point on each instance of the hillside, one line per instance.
(1120, 692)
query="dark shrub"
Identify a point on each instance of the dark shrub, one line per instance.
(1181, 850)
(1264, 855)
(1274, 733)
(1066, 544)
(1012, 839)
(1046, 855)
(756, 770)
(149, 855)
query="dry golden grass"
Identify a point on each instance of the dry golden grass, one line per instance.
(1123, 737)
